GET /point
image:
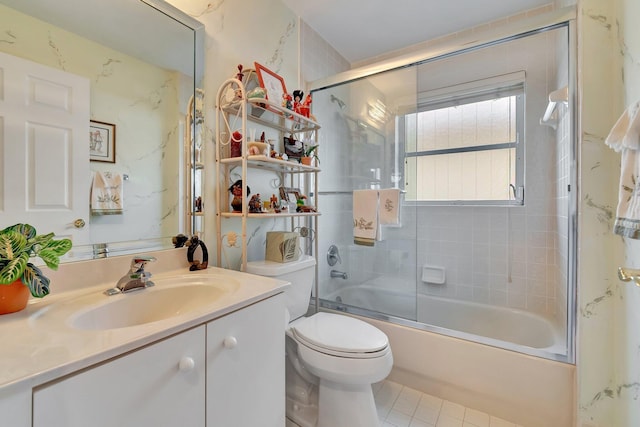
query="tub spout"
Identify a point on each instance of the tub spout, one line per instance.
(340, 274)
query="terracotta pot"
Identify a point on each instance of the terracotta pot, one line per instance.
(13, 297)
(305, 161)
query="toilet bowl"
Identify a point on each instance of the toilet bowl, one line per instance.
(331, 359)
(346, 356)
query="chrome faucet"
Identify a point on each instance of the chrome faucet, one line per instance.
(340, 274)
(135, 279)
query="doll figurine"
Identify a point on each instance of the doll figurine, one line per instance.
(236, 192)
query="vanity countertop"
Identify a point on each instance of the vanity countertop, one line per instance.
(34, 352)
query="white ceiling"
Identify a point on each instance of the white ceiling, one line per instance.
(362, 29)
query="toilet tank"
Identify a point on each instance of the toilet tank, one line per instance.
(300, 273)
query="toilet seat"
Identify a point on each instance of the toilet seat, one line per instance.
(340, 336)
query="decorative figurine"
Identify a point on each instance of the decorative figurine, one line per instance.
(255, 205)
(240, 74)
(297, 100)
(287, 101)
(236, 191)
(305, 108)
(236, 144)
(275, 206)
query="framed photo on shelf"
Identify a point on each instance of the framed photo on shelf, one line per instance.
(271, 82)
(285, 191)
(102, 142)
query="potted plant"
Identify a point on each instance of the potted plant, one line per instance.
(310, 153)
(19, 277)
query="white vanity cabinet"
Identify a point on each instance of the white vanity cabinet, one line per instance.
(227, 372)
(245, 367)
(159, 385)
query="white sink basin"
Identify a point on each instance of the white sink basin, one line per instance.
(170, 297)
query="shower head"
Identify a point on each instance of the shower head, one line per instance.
(339, 101)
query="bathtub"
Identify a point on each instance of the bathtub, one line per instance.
(485, 363)
(504, 327)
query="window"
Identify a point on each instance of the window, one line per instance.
(464, 144)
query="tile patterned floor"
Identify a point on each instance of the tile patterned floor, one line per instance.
(400, 406)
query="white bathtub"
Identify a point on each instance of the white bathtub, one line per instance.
(500, 378)
(517, 327)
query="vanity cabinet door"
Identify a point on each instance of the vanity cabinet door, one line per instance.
(245, 367)
(159, 385)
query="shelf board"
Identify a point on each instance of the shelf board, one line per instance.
(273, 115)
(269, 163)
(269, 215)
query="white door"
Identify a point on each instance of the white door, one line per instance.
(44, 127)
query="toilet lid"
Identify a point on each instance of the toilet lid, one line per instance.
(340, 334)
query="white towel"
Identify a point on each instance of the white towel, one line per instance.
(106, 194)
(625, 134)
(365, 217)
(625, 137)
(389, 206)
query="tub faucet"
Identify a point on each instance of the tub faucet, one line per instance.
(135, 279)
(340, 274)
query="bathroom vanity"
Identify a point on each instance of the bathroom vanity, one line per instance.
(203, 365)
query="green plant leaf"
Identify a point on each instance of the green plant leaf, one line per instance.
(59, 247)
(12, 244)
(26, 230)
(50, 257)
(38, 242)
(36, 281)
(13, 269)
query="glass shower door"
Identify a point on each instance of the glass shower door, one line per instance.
(362, 153)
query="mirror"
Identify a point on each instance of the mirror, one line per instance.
(143, 61)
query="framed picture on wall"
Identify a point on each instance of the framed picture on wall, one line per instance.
(102, 142)
(271, 82)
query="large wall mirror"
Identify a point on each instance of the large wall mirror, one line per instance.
(99, 94)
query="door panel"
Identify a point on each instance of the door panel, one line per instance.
(44, 125)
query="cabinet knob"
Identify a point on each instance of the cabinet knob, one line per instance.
(230, 342)
(187, 364)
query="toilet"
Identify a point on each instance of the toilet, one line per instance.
(331, 359)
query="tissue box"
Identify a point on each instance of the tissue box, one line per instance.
(282, 246)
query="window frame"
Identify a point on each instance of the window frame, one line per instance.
(481, 90)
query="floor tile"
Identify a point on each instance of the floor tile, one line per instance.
(499, 422)
(453, 410)
(398, 419)
(476, 418)
(400, 406)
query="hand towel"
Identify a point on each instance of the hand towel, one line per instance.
(625, 138)
(365, 217)
(625, 134)
(389, 206)
(106, 194)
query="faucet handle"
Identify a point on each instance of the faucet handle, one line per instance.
(333, 256)
(138, 263)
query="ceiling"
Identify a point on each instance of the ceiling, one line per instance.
(362, 29)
